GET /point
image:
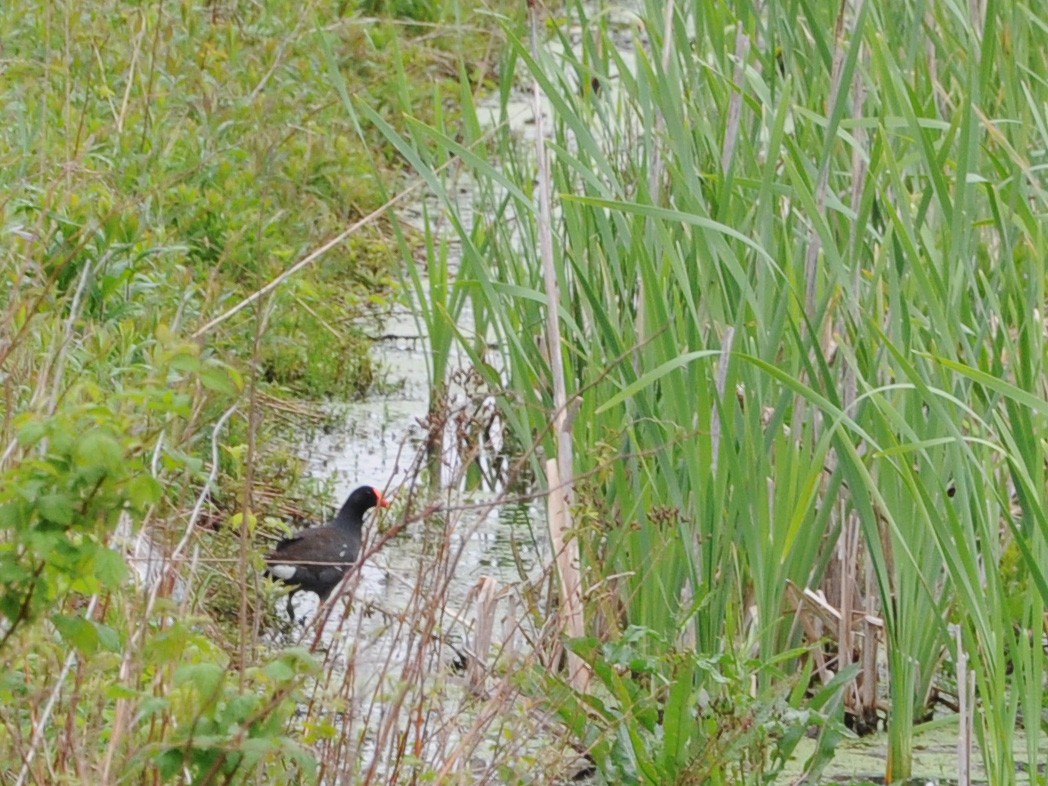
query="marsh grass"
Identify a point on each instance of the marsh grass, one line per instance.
(801, 298)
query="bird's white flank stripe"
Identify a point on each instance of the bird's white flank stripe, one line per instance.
(283, 572)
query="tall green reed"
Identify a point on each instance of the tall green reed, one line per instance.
(848, 194)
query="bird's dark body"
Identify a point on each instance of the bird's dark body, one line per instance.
(320, 559)
(316, 559)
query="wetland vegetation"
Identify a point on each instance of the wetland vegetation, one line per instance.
(789, 409)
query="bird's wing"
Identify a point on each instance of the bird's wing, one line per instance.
(283, 545)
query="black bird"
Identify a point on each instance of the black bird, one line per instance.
(316, 559)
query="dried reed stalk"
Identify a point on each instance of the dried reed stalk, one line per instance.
(560, 470)
(486, 592)
(966, 704)
(566, 554)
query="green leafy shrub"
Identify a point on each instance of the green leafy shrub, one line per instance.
(58, 507)
(161, 165)
(660, 714)
(228, 728)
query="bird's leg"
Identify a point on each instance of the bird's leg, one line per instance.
(290, 606)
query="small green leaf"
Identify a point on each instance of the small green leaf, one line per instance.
(154, 705)
(12, 684)
(236, 452)
(205, 677)
(117, 691)
(168, 645)
(12, 515)
(108, 638)
(169, 763)
(185, 362)
(57, 508)
(31, 433)
(257, 746)
(237, 519)
(97, 449)
(304, 661)
(219, 380)
(78, 632)
(278, 671)
(110, 568)
(143, 491)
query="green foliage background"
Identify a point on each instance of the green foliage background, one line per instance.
(159, 162)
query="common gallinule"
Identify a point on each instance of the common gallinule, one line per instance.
(315, 559)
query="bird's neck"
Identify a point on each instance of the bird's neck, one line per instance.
(349, 519)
